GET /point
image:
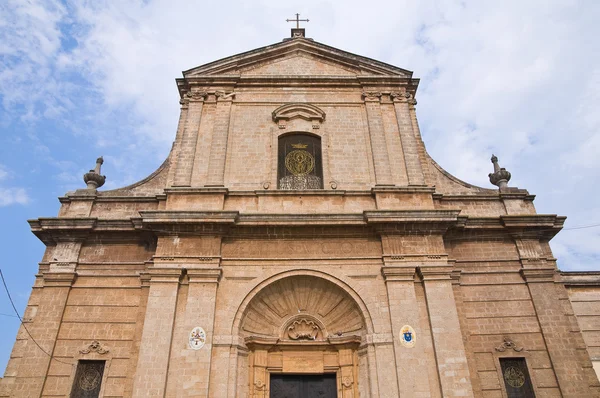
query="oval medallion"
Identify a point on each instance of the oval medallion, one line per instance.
(408, 336)
(197, 338)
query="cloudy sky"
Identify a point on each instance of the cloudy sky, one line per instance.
(79, 79)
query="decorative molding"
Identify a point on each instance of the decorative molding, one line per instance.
(371, 95)
(292, 111)
(508, 344)
(259, 385)
(224, 96)
(196, 95)
(400, 96)
(347, 382)
(96, 347)
(303, 329)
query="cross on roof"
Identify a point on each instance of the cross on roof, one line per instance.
(297, 20)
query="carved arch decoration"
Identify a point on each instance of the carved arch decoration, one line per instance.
(307, 112)
(337, 284)
(302, 302)
(298, 322)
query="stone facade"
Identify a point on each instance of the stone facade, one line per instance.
(302, 281)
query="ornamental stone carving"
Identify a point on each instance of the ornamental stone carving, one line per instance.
(371, 95)
(303, 329)
(508, 344)
(403, 97)
(500, 177)
(93, 178)
(196, 95)
(222, 95)
(94, 347)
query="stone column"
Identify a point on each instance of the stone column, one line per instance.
(381, 162)
(410, 144)
(411, 363)
(154, 355)
(218, 148)
(33, 365)
(199, 311)
(564, 342)
(189, 139)
(448, 345)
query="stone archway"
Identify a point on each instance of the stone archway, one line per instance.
(302, 324)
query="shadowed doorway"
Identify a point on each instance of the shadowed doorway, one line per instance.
(303, 386)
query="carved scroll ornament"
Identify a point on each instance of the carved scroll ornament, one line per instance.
(94, 347)
(508, 344)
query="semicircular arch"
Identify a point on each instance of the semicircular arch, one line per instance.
(276, 300)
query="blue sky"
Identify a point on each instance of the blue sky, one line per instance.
(87, 78)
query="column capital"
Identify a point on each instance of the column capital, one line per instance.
(435, 272)
(371, 96)
(204, 275)
(165, 275)
(398, 274)
(538, 275)
(59, 279)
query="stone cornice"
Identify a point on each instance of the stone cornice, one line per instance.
(411, 221)
(398, 274)
(435, 272)
(534, 226)
(59, 279)
(300, 219)
(580, 278)
(538, 275)
(52, 230)
(204, 275)
(485, 196)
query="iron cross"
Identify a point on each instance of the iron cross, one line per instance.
(297, 20)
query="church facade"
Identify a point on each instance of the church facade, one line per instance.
(300, 242)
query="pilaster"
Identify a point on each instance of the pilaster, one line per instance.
(189, 139)
(218, 148)
(449, 349)
(383, 174)
(44, 328)
(199, 311)
(410, 144)
(564, 342)
(411, 362)
(154, 354)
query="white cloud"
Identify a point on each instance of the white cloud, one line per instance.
(9, 196)
(519, 79)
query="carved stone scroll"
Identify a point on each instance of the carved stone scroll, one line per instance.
(94, 347)
(507, 344)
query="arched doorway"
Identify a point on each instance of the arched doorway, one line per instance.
(303, 334)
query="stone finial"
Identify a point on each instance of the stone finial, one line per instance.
(500, 177)
(94, 179)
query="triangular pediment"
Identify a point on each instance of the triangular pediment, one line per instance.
(300, 63)
(297, 56)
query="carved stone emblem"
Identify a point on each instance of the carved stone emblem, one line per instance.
(514, 377)
(197, 338)
(408, 337)
(94, 347)
(303, 329)
(507, 344)
(347, 382)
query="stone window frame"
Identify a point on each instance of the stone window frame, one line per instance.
(510, 353)
(107, 357)
(299, 118)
